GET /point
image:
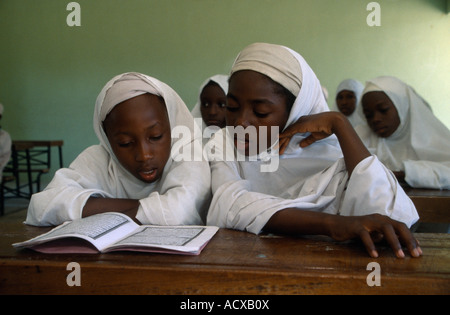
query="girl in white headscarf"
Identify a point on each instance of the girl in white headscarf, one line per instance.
(313, 190)
(138, 168)
(348, 96)
(209, 112)
(404, 133)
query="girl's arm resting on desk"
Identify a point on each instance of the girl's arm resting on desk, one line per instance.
(368, 228)
(96, 205)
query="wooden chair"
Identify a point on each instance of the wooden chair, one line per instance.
(34, 161)
(32, 158)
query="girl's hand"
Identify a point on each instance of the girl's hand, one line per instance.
(319, 125)
(323, 125)
(373, 228)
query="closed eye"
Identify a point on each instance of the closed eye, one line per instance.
(125, 145)
(261, 115)
(156, 138)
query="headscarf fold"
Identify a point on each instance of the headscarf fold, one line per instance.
(288, 68)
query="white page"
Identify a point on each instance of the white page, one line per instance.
(101, 230)
(178, 238)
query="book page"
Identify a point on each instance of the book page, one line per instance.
(163, 236)
(177, 238)
(101, 230)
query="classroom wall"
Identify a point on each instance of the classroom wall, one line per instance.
(51, 73)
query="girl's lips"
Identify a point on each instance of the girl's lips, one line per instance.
(213, 122)
(148, 175)
(380, 130)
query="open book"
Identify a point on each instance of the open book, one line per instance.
(114, 231)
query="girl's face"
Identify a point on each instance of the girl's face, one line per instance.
(138, 131)
(255, 100)
(381, 114)
(213, 101)
(346, 102)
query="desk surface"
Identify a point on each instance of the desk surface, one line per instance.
(433, 205)
(422, 192)
(232, 263)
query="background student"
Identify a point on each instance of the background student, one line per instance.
(314, 190)
(348, 96)
(136, 168)
(211, 103)
(404, 133)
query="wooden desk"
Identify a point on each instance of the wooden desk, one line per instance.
(422, 192)
(433, 205)
(232, 263)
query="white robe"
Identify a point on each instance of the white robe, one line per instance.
(421, 144)
(180, 197)
(314, 178)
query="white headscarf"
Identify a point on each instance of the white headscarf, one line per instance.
(313, 178)
(222, 81)
(180, 196)
(356, 118)
(421, 144)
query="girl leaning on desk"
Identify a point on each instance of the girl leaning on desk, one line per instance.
(327, 182)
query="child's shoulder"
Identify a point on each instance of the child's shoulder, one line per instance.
(95, 150)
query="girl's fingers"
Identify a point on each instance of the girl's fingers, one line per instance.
(368, 243)
(407, 238)
(282, 145)
(392, 239)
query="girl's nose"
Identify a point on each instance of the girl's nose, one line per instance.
(213, 109)
(243, 119)
(377, 117)
(144, 152)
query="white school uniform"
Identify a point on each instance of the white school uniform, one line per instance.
(313, 178)
(421, 144)
(180, 197)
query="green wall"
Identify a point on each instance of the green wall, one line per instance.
(51, 74)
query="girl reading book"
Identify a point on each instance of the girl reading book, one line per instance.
(136, 169)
